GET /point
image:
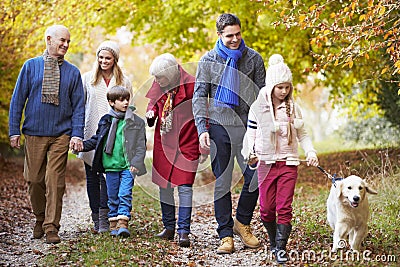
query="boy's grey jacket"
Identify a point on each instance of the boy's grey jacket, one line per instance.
(134, 136)
(210, 68)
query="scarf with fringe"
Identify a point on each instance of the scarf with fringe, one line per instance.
(113, 130)
(51, 79)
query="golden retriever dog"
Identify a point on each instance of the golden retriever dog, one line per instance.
(348, 211)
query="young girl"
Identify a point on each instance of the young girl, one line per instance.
(275, 126)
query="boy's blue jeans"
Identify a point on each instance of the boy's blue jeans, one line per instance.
(185, 193)
(119, 191)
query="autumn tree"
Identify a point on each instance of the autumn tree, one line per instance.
(355, 45)
(22, 27)
(349, 47)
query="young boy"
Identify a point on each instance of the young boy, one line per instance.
(120, 148)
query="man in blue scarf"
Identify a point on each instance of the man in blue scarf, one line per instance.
(228, 80)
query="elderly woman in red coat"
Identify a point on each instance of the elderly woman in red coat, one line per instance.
(176, 151)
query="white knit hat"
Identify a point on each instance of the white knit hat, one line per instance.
(277, 72)
(110, 46)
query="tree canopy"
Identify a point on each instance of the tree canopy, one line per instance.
(355, 45)
(350, 47)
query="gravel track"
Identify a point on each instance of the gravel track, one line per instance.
(18, 248)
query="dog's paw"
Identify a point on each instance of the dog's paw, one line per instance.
(339, 245)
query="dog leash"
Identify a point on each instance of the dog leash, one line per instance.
(254, 167)
(333, 177)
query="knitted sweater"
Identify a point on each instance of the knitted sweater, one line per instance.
(252, 77)
(96, 105)
(42, 119)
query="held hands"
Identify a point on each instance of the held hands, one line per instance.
(150, 114)
(76, 144)
(133, 169)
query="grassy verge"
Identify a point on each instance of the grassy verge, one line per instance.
(104, 250)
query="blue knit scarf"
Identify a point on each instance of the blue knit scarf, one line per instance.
(227, 94)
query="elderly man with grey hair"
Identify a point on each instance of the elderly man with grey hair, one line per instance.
(176, 151)
(49, 92)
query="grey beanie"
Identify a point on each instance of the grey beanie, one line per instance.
(110, 46)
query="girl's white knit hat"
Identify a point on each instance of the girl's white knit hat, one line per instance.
(277, 72)
(110, 46)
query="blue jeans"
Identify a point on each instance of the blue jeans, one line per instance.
(227, 143)
(185, 193)
(96, 189)
(119, 190)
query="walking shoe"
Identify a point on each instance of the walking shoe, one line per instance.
(52, 237)
(183, 240)
(113, 226)
(38, 230)
(104, 224)
(166, 234)
(227, 246)
(95, 219)
(123, 228)
(244, 232)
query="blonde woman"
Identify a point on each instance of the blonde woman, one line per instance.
(105, 74)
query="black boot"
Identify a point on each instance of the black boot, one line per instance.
(282, 236)
(166, 234)
(183, 240)
(271, 229)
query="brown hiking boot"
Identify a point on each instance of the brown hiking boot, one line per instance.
(227, 246)
(52, 237)
(113, 226)
(38, 230)
(244, 232)
(123, 228)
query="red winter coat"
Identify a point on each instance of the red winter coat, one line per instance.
(176, 153)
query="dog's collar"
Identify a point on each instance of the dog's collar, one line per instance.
(335, 179)
(331, 177)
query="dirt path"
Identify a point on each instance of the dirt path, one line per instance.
(18, 248)
(204, 236)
